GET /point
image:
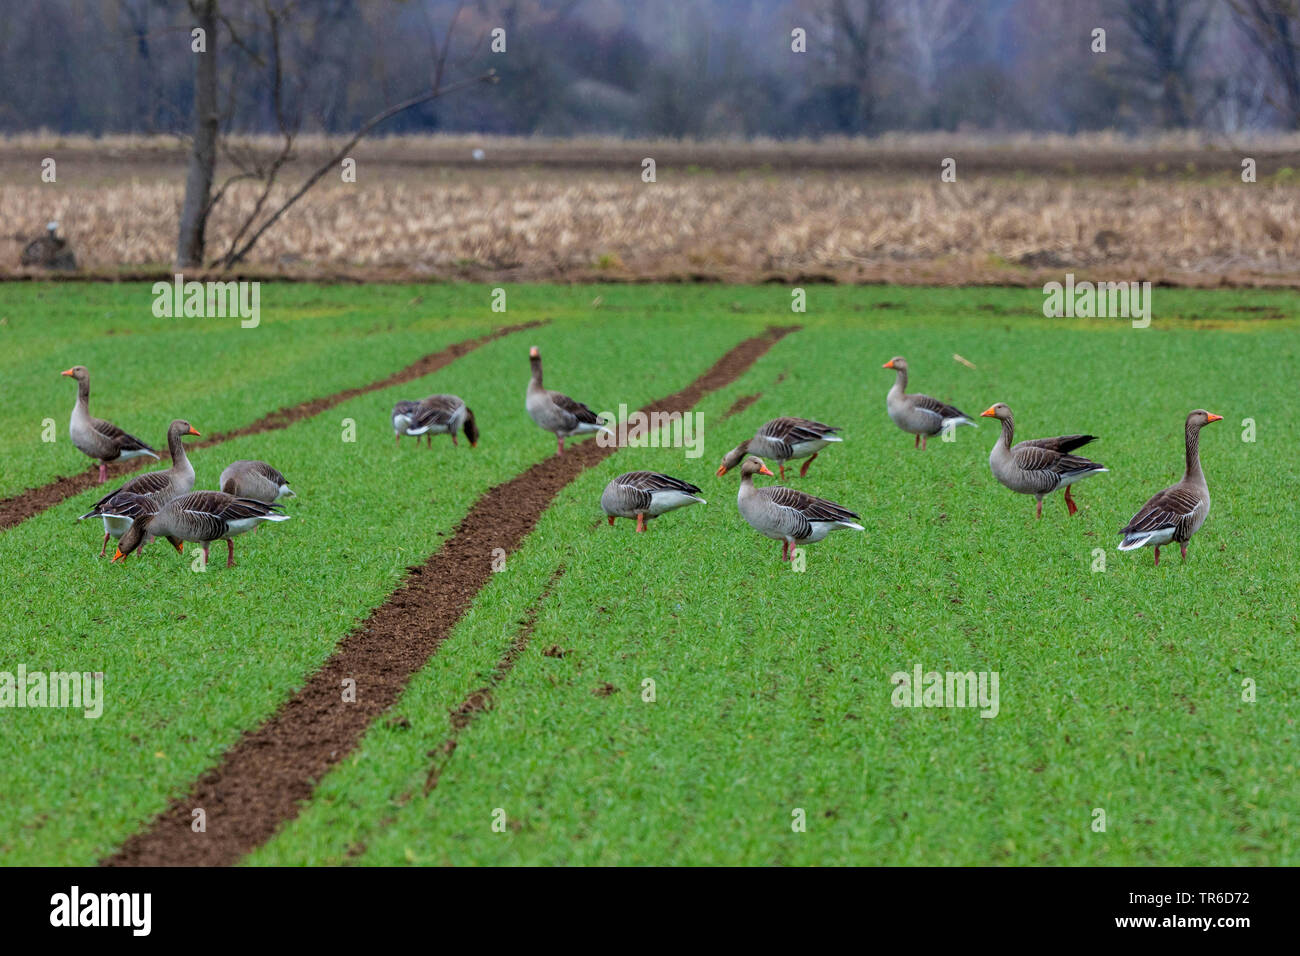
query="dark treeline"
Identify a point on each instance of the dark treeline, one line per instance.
(700, 68)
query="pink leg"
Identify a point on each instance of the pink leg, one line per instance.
(1157, 551)
(640, 521)
(781, 468)
(559, 444)
(803, 472)
(103, 472)
(917, 442)
(922, 443)
(611, 521)
(785, 546)
(104, 550)
(1069, 502)
(205, 552)
(1182, 546)
(397, 439)
(230, 553)
(1040, 507)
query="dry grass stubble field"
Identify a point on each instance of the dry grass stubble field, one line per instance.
(1020, 212)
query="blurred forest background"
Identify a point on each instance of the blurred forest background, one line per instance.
(665, 68)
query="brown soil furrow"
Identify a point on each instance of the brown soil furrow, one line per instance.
(739, 405)
(26, 504)
(261, 780)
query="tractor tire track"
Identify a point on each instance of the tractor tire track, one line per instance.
(27, 504)
(260, 782)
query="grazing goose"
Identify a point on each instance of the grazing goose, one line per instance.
(555, 412)
(1038, 466)
(119, 510)
(201, 516)
(254, 479)
(783, 439)
(162, 486)
(646, 494)
(919, 415)
(436, 415)
(790, 516)
(1178, 512)
(99, 439)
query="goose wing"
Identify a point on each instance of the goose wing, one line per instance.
(110, 432)
(1063, 443)
(1168, 509)
(575, 408)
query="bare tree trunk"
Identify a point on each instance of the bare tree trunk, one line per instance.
(203, 153)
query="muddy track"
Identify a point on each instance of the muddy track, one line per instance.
(27, 504)
(260, 781)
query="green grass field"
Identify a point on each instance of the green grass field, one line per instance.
(1120, 689)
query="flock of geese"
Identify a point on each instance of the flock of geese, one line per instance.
(164, 504)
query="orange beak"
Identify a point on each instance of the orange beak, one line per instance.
(889, 364)
(117, 555)
(66, 372)
(1214, 418)
(473, 444)
(722, 470)
(533, 353)
(987, 413)
(180, 547)
(193, 432)
(765, 471)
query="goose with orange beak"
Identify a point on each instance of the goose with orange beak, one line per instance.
(789, 516)
(95, 437)
(1038, 466)
(916, 414)
(1178, 512)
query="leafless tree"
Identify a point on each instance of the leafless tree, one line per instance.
(1273, 27)
(1170, 33)
(853, 39)
(266, 50)
(932, 28)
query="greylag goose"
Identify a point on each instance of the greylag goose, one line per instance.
(646, 494)
(790, 516)
(161, 486)
(201, 516)
(99, 439)
(1038, 466)
(783, 439)
(1178, 512)
(255, 479)
(119, 510)
(436, 415)
(556, 412)
(919, 415)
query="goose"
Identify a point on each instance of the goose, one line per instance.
(790, 516)
(161, 486)
(203, 517)
(119, 510)
(1038, 466)
(919, 415)
(99, 439)
(555, 412)
(646, 494)
(436, 415)
(254, 479)
(784, 439)
(1178, 512)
